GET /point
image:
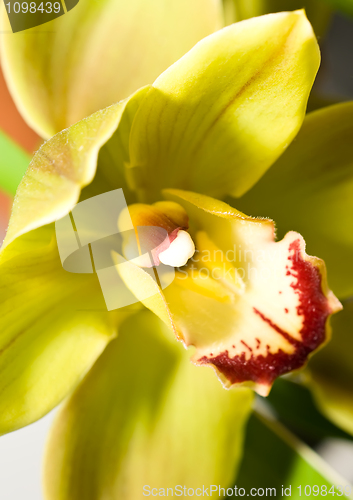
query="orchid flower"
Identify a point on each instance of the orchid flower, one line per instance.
(216, 125)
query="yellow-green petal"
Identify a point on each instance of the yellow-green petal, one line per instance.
(318, 11)
(53, 328)
(331, 372)
(97, 54)
(310, 189)
(216, 120)
(145, 416)
(111, 172)
(62, 167)
(51, 318)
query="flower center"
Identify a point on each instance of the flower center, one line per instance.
(180, 250)
(161, 235)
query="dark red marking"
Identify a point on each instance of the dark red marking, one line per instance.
(274, 326)
(286, 310)
(313, 306)
(233, 346)
(246, 345)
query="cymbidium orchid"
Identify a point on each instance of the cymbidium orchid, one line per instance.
(252, 307)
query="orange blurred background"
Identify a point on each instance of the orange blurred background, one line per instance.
(13, 125)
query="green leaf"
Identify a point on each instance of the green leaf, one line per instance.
(13, 164)
(51, 330)
(144, 415)
(217, 119)
(274, 458)
(332, 372)
(97, 54)
(296, 409)
(309, 190)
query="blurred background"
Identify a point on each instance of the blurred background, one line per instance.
(12, 126)
(21, 452)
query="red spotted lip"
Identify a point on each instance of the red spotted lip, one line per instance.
(315, 309)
